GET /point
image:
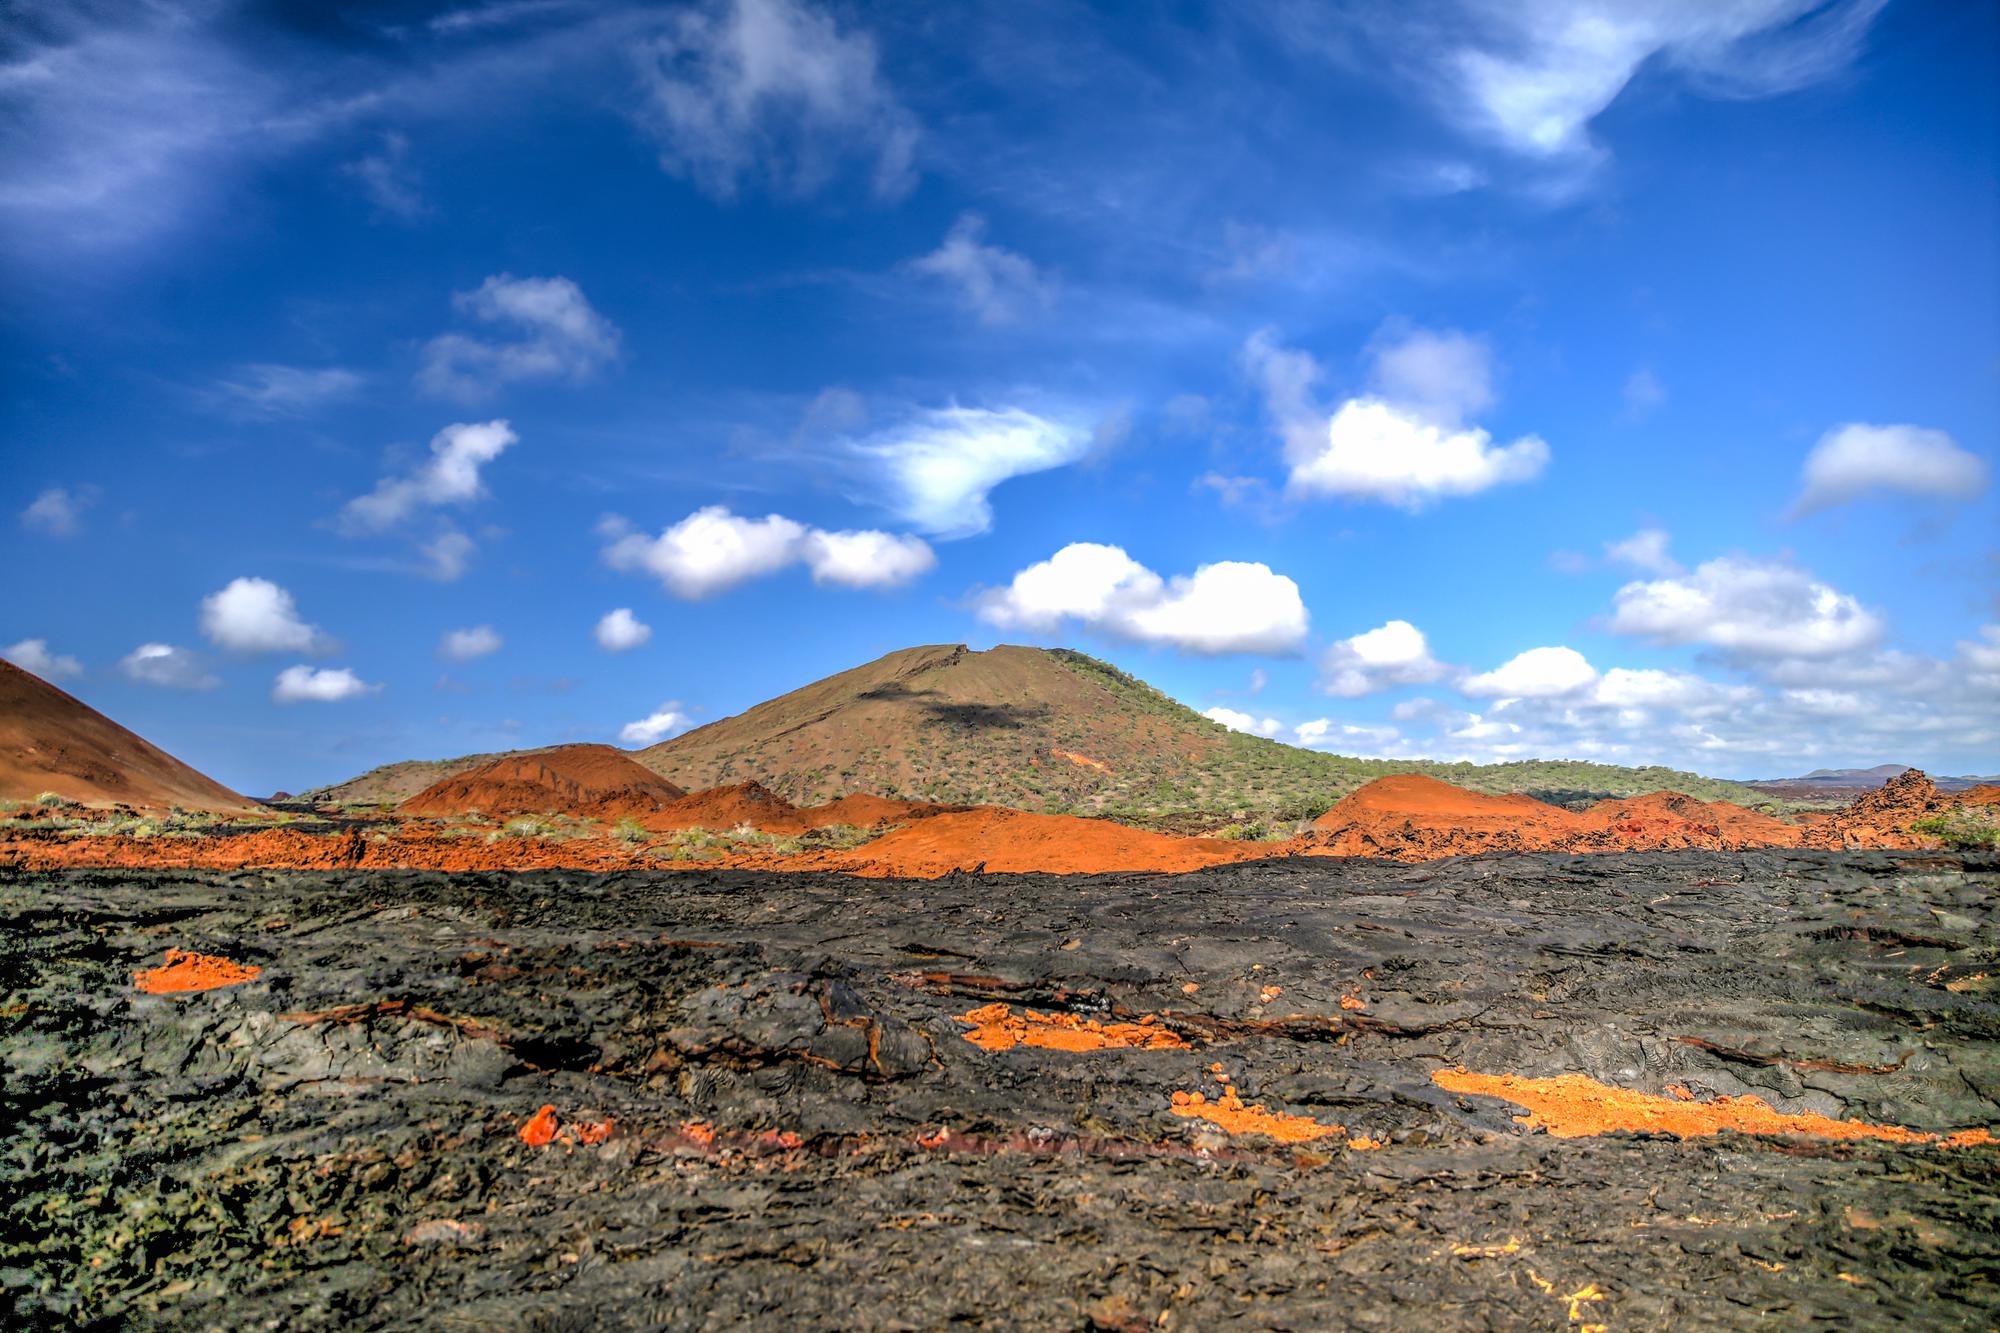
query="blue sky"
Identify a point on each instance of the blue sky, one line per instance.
(1586, 379)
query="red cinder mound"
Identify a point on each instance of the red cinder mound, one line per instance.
(53, 742)
(1413, 796)
(1005, 841)
(1416, 818)
(861, 810)
(1667, 820)
(729, 807)
(595, 781)
(1984, 794)
(1882, 818)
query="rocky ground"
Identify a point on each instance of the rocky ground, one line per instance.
(764, 1108)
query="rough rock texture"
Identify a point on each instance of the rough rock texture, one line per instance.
(702, 1100)
(1882, 818)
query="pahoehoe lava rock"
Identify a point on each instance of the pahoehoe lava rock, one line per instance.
(762, 1108)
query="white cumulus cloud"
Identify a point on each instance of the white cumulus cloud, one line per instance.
(938, 468)
(1227, 607)
(664, 722)
(1858, 460)
(1390, 655)
(1406, 442)
(167, 666)
(712, 550)
(1750, 608)
(1539, 673)
(326, 685)
(257, 616)
(866, 559)
(777, 90)
(1239, 721)
(557, 335)
(996, 284)
(34, 655)
(463, 645)
(620, 631)
(450, 476)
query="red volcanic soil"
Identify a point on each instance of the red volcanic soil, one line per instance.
(52, 742)
(1416, 818)
(1667, 820)
(861, 810)
(1006, 841)
(728, 807)
(1984, 794)
(291, 849)
(585, 780)
(1405, 818)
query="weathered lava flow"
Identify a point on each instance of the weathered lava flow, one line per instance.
(1221, 1098)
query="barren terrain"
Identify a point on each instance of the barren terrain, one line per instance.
(1302, 1093)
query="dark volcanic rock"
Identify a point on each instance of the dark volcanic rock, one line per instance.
(764, 1111)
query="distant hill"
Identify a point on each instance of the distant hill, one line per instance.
(51, 741)
(1045, 729)
(1843, 784)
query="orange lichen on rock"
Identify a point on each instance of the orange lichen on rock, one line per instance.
(996, 1027)
(185, 971)
(1572, 1106)
(1229, 1113)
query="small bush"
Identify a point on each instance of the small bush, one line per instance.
(1966, 828)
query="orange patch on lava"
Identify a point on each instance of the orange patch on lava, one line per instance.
(1229, 1112)
(1572, 1106)
(996, 1027)
(1082, 760)
(541, 1127)
(184, 971)
(545, 1127)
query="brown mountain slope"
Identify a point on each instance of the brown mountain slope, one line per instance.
(53, 742)
(1023, 727)
(1049, 730)
(592, 780)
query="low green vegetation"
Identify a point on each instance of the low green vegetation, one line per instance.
(1967, 828)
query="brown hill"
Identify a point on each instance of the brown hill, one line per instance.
(731, 807)
(1017, 726)
(392, 784)
(53, 742)
(1041, 729)
(588, 780)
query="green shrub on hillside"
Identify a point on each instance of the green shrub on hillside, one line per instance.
(1964, 829)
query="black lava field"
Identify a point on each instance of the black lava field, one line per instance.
(764, 1108)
